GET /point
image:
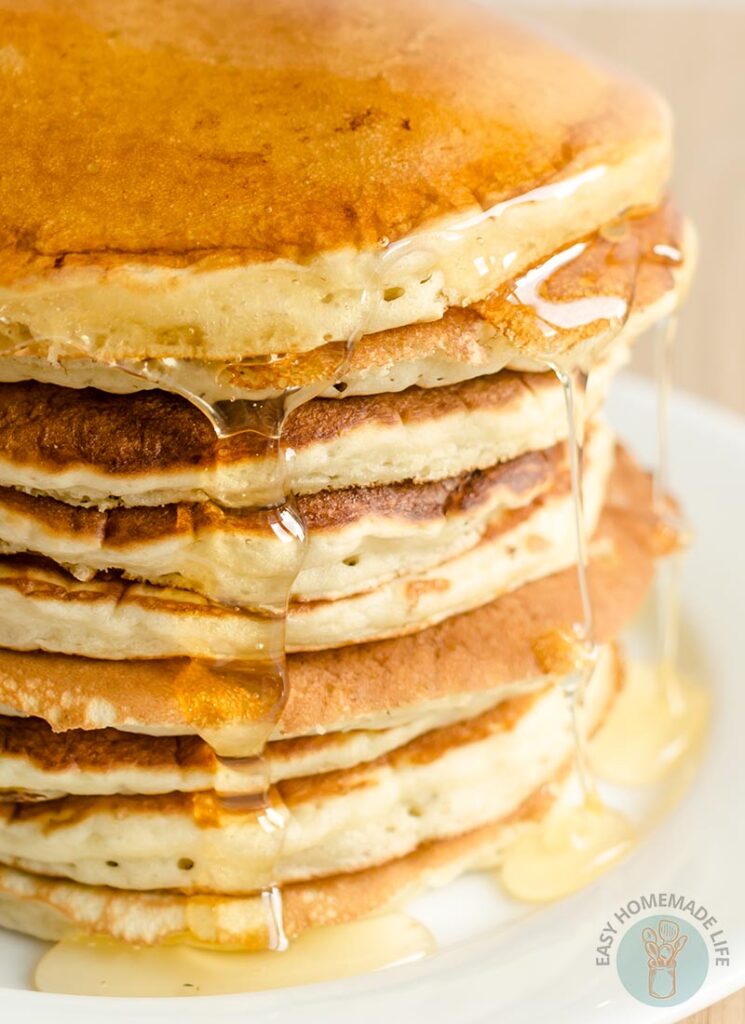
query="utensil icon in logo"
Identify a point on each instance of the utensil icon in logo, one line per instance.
(662, 948)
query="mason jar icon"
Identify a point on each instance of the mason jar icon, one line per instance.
(662, 948)
(661, 981)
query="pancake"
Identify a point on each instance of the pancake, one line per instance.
(370, 686)
(356, 538)
(636, 269)
(53, 909)
(43, 607)
(319, 159)
(444, 783)
(39, 764)
(91, 448)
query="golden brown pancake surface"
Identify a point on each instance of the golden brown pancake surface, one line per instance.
(283, 129)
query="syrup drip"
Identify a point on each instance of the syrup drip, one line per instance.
(664, 347)
(110, 968)
(661, 716)
(235, 704)
(242, 783)
(574, 386)
(238, 729)
(576, 843)
(668, 579)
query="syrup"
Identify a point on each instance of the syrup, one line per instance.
(574, 387)
(110, 968)
(240, 700)
(661, 715)
(658, 719)
(238, 730)
(575, 843)
(567, 851)
(242, 781)
(653, 727)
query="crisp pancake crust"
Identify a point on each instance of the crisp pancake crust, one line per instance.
(38, 763)
(302, 140)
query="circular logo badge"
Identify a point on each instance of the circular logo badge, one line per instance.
(662, 960)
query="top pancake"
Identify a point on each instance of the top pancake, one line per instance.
(636, 270)
(223, 179)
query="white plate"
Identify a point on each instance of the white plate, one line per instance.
(499, 962)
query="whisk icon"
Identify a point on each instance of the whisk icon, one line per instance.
(662, 948)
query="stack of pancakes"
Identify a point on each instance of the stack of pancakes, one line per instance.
(350, 253)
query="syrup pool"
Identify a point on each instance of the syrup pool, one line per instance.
(567, 851)
(107, 968)
(659, 718)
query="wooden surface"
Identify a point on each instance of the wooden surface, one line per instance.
(695, 57)
(730, 1011)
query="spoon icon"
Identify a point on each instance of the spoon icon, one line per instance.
(667, 952)
(653, 950)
